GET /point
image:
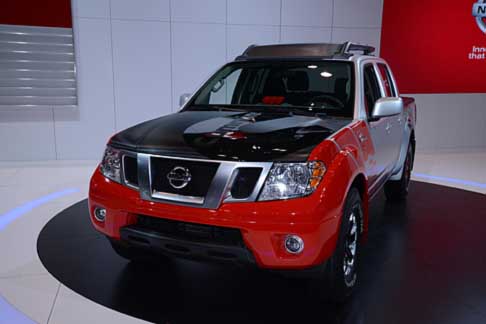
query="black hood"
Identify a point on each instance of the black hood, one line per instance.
(229, 135)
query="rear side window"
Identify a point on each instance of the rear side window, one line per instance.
(371, 88)
(387, 81)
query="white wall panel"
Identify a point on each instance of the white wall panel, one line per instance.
(74, 8)
(203, 35)
(82, 132)
(293, 34)
(358, 13)
(367, 36)
(451, 121)
(240, 37)
(254, 12)
(211, 11)
(197, 51)
(307, 13)
(140, 9)
(91, 8)
(142, 85)
(27, 134)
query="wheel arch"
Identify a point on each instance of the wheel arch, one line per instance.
(408, 140)
(344, 171)
(356, 179)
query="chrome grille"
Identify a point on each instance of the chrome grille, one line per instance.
(215, 181)
(130, 170)
(202, 174)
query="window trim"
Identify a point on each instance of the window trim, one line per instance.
(390, 80)
(368, 110)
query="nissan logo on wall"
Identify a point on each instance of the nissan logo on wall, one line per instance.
(479, 11)
(179, 177)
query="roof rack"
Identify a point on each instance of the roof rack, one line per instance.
(311, 50)
(350, 48)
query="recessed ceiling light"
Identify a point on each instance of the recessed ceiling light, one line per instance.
(312, 66)
(326, 74)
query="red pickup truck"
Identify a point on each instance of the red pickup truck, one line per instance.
(272, 162)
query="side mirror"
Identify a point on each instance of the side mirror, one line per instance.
(184, 98)
(386, 107)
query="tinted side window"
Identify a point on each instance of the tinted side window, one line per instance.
(371, 88)
(387, 81)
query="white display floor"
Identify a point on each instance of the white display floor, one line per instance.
(34, 192)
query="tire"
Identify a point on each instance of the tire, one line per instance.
(397, 190)
(342, 268)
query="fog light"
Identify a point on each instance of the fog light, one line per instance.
(294, 244)
(100, 214)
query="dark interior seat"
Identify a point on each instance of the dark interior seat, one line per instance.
(340, 88)
(274, 90)
(297, 86)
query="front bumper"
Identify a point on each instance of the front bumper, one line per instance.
(137, 236)
(263, 225)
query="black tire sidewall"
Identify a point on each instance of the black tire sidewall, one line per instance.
(335, 276)
(406, 177)
(396, 190)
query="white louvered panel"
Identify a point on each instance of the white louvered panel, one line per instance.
(35, 38)
(37, 47)
(36, 74)
(35, 56)
(37, 83)
(37, 66)
(33, 30)
(38, 101)
(38, 92)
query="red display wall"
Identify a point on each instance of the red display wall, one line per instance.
(48, 13)
(435, 46)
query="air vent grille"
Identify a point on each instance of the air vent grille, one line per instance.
(37, 67)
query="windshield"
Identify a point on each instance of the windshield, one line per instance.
(325, 87)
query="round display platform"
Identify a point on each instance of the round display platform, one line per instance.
(424, 262)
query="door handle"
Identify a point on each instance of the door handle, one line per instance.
(400, 120)
(388, 128)
(362, 138)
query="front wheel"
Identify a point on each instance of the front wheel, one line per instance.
(342, 268)
(396, 190)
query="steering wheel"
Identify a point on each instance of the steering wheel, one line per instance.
(335, 102)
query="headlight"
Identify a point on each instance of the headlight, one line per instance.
(291, 180)
(111, 164)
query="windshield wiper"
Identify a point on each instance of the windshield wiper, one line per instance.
(216, 107)
(288, 110)
(245, 108)
(306, 110)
